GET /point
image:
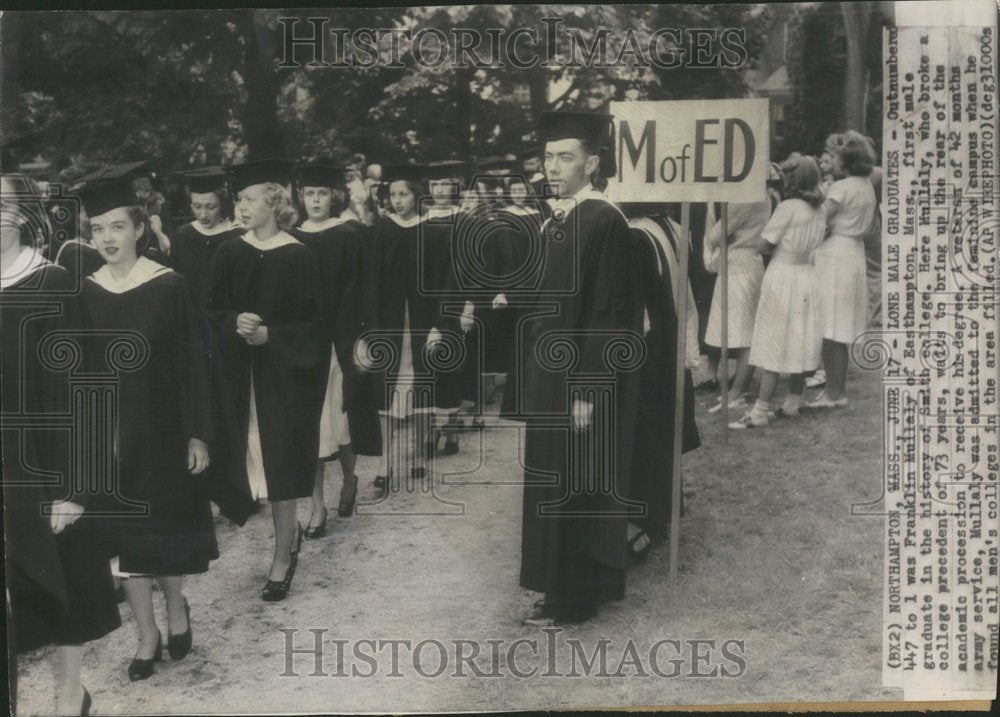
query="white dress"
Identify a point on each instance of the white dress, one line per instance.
(786, 336)
(746, 271)
(840, 259)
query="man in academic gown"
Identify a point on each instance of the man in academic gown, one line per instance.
(579, 345)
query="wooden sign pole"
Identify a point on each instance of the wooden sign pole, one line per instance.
(682, 308)
(724, 359)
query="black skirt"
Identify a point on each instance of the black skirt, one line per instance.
(39, 618)
(175, 538)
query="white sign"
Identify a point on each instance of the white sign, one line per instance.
(690, 151)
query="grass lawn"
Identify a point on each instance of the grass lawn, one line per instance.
(770, 555)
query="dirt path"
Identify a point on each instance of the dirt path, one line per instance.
(770, 555)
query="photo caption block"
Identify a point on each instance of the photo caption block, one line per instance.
(940, 234)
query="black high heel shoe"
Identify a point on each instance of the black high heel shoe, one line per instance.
(312, 533)
(277, 590)
(143, 669)
(178, 646)
(348, 496)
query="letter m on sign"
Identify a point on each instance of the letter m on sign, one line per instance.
(647, 143)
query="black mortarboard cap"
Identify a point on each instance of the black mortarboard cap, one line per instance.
(101, 197)
(529, 152)
(404, 172)
(260, 171)
(586, 126)
(128, 170)
(496, 161)
(205, 180)
(319, 175)
(446, 169)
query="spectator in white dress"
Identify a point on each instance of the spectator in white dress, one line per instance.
(786, 336)
(840, 261)
(746, 271)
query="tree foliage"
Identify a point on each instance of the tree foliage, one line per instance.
(116, 86)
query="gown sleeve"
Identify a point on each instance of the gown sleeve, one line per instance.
(220, 310)
(608, 271)
(191, 353)
(55, 453)
(296, 341)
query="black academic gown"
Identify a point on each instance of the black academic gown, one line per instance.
(653, 447)
(60, 586)
(160, 522)
(516, 257)
(281, 285)
(582, 336)
(347, 276)
(414, 269)
(79, 258)
(191, 254)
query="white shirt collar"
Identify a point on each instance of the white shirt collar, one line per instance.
(224, 226)
(565, 205)
(26, 262)
(280, 239)
(142, 271)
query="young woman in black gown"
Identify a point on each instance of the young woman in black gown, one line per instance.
(195, 243)
(445, 221)
(349, 424)
(162, 422)
(268, 378)
(409, 316)
(58, 579)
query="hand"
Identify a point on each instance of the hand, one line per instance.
(64, 514)
(582, 411)
(499, 301)
(197, 456)
(646, 325)
(258, 336)
(246, 323)
(433, 336)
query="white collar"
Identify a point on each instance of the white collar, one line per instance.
(26, 262)
(568, 204)
(536, 177)
(224, 226)
(142, 271)
(328, 223)
(520, 211)
(282, 238)
(411, 222)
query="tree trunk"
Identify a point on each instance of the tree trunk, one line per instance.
(261, 112)
(538, 87)
(857, 17)
(11, 32)
(463, 102)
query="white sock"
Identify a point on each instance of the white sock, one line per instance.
(793, 402)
